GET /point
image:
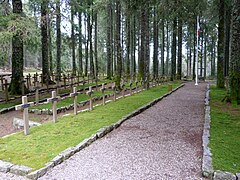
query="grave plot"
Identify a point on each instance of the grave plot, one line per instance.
(48, 140)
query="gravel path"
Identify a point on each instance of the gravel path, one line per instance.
(163, 142)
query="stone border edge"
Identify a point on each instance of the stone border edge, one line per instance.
(67, 153)
(207, 168)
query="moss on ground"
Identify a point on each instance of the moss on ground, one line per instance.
(47, 141)
(225, 132)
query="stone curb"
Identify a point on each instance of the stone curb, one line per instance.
(207, 168)
(67, 153)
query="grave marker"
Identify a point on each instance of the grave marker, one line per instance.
(6, 90)
(74, 95)
(54, 100)
(123, 89)
(136, 86)
(22, 85)
(25, 105)
(37, 93)
(130, 84)
(114, 91)
(89, 93)
(2, 83)
(103, 93)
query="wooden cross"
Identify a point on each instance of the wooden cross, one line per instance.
(2, 83)
(64, 80)
(54, 100)
(74, 95)
(25, 105)
(23, 85)
(130, 84)
(103, 93)
(89, 93)
(84, 82)
(114, 91)
(136, 86)
(141, 82)
(123, 89)
(6, 89)
(37, 93)
(29, 75)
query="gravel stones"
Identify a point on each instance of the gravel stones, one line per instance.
(163, 142)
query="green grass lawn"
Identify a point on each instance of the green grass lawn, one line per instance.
(225, 132)
(47, 141)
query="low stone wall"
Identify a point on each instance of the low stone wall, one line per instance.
(207, 168)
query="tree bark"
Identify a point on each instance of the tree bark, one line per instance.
(17, 54)
(174, 47)
(80, 63)
(235, 54)
(59, 39)
(74, 68)
(179, 64)
(45, 42)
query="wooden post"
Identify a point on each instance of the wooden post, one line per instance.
(54, 100)
(64, 81)
(84, 82)
(89, 93)
(103, 93)
(114, 91)
(23, 85)
(136, 86)
(37, 93)
(6, 90)
(74, 95)
(57, 86)
(2, 83)
(25, 105)
(27, 80)
(41, 76)
(30, 83)
(130, 87)
(123, 90)
(141, 82)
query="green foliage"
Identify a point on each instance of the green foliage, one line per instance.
(225, 134)
(47, 141)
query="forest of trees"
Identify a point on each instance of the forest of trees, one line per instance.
(122, 39)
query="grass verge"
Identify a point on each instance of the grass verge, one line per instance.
(225, 132)
(47, 141)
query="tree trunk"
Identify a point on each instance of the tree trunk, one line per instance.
(118, 44)
(50, 45)
(174, 47)
(74, 68)
(168, 42)
(220, 63)
(45, 43)
(194, 51)
(109, 42)
(235, 54)
(227, 37)
(155, 44)
(58, 41)
(128, 40)
(80, 63)
(179, 64)
(163, 47)
(96, 44)
(86, 46)
(17, 54)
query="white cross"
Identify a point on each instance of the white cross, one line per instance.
(25, 105)
(54, 100)
(74, 95)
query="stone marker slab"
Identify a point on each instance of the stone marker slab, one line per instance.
(20, 170)
(19, 123)
(5, 166)
(219, 175)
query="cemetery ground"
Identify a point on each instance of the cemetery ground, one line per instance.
(225, 132)
(48, 140)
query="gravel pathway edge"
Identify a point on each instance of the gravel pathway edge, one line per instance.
(207, 167)
(64, 155)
